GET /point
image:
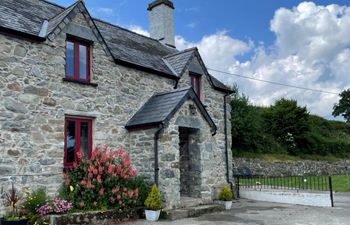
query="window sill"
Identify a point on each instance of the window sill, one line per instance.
(80, 82)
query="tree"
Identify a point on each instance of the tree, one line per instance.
(246, 123)
(288, 122)
(343, 106)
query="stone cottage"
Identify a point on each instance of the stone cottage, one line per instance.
(69, 82)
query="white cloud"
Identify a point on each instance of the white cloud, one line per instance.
(139, 30)
(192, 25)
(105, 11)
(311, 50)
(192, 9)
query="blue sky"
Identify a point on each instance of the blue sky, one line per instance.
(299, 43)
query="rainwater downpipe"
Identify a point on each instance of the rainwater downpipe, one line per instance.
(156, 164)
(226, 144)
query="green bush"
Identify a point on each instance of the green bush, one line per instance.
(225, 194)
(142, 186)
(34, 199)
(153, 201)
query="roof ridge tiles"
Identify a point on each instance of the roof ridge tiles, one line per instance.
(123, 28)
(180, 52)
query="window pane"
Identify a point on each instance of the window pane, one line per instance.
(70, 59)
(84, 139)
(195, 85)
(71, 140)
(82, 62)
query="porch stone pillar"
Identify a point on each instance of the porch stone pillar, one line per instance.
(169, 173)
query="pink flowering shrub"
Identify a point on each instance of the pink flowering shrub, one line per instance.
(102, 181)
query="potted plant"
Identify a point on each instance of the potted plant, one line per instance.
(153, 204)
(225, 196)
(12, 199)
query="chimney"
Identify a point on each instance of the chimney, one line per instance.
(161, 14)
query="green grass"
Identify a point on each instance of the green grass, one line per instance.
(286, 157)
(340, 183)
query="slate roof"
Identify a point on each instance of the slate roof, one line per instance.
(26, 17)
(179, 60)
(160, 108)
(135, 48)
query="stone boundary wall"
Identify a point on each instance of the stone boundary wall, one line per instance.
(246, 166)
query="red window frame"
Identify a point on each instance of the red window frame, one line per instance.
(76, 75)
(77, 121)
(196, 79)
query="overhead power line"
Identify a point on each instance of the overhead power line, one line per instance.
(274, 82)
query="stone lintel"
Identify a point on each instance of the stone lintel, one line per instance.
(190, 122)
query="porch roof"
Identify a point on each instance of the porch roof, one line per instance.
(160, 108)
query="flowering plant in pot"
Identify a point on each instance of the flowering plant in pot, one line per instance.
(12, 199)
(153, 204)
(226, 196)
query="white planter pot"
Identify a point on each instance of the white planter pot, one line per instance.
(227, 204)
(152, 215)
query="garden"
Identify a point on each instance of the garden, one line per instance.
(105, 187)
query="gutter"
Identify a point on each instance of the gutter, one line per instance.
(226, 144)
(156, 155)
(21, 34)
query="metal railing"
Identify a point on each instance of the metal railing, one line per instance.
(297, 183)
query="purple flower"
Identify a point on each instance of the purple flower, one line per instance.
(57, 206)
(61, 206)
(44, 209)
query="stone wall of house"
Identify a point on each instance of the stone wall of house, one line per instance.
(142, 152)
(290, 168)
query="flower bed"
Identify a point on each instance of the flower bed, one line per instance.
(103, 189)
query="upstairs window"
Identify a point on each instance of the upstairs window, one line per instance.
(196, 83)
(77, 60)
(77, 140)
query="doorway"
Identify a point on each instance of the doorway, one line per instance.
(190, 163)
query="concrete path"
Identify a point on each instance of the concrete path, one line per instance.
(342, 199)
(248, 212)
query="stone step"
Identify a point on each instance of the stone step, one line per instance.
(194, 211)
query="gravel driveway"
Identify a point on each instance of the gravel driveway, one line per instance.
(250, 212)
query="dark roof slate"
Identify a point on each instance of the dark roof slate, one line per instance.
(160, 108)
(219, 85)
(178, 61)
(135, 48)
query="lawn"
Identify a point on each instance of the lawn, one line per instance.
(340, 183)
